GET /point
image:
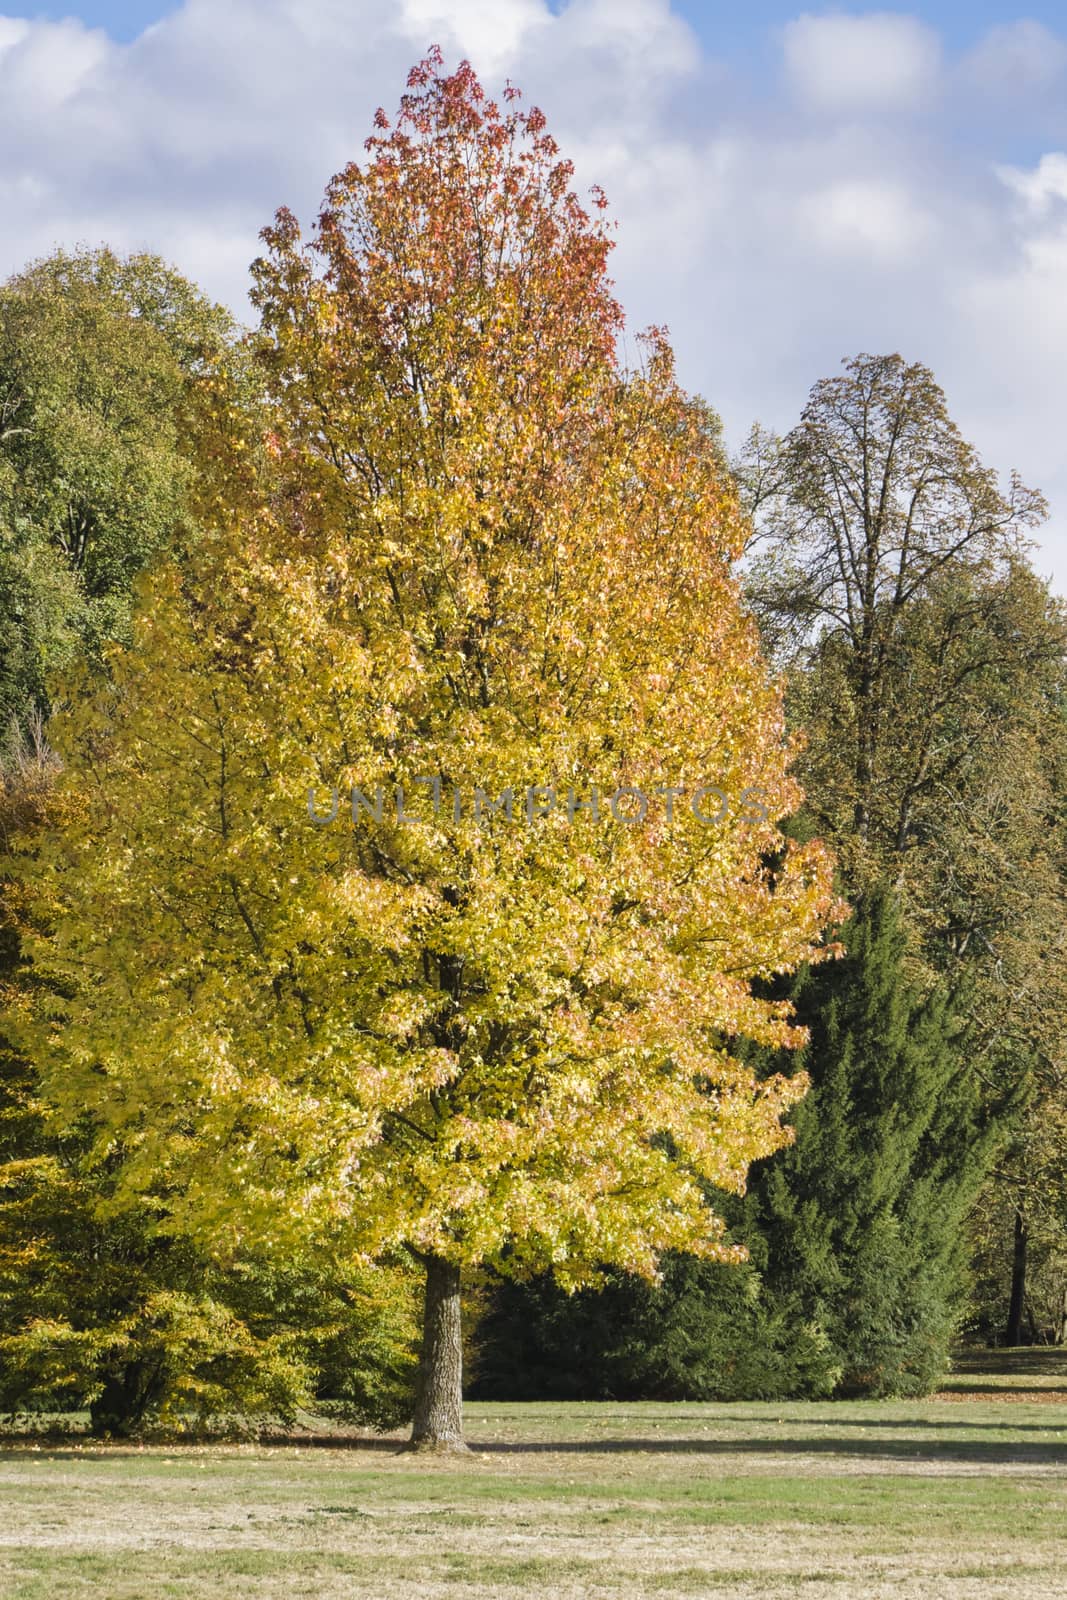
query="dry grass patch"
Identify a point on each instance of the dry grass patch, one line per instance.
(828, 1502)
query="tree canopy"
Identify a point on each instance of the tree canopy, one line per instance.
(486, 554)
(99, 355)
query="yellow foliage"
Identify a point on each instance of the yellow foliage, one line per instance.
(484, 552)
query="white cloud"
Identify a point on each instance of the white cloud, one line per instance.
(497, 31)
(12, 30)
(879, 62)
(773, 235)
(871, 219)
(45, 64)
(1017, 59)
(1041, 187)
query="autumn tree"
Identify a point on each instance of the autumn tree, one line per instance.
(490, 564)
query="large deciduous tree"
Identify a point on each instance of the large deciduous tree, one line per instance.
(871, 499)
(487, 558)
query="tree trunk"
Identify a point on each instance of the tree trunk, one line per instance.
(120, 1407)
(439, 1387)
(1014, 1332)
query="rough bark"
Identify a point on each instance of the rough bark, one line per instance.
(438, 1422)
(1013, 1334)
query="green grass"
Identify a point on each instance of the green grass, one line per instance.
(963, 1495)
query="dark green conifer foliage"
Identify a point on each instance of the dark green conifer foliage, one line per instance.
(864, 1217)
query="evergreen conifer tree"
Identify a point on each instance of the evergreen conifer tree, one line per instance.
(863, 1216)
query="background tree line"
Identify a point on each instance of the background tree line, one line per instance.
(926, 1191)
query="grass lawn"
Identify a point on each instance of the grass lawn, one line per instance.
(962, 1495)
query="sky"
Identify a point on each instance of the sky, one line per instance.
(792, 184)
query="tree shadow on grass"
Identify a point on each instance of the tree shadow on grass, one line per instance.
(1049, 1393)
(988, 1452)
(923, 1426)
(836, 1440)
(1030, 1361)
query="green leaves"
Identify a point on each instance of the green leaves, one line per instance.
(99, 357)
